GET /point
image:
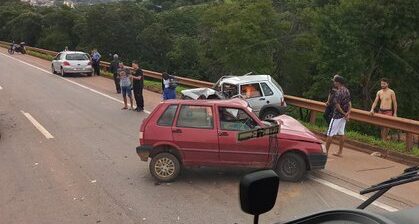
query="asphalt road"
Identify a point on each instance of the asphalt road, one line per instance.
(89, 171)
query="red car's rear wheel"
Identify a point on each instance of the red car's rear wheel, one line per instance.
(165, 167)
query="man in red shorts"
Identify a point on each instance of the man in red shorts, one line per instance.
(388, 104)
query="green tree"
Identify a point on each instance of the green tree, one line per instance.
(114, 28)
(184, 58)
(57, 30)
(365, 40)
(238, 38)
(25, 27)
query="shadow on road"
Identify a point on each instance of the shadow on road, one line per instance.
(205, 174)
(211, 175)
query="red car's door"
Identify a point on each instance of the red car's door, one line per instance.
(195, 133)
(253, 152)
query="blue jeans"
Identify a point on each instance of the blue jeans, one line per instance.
(169, 93)
(126, 90)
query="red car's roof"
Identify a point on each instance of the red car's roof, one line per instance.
(230, 102)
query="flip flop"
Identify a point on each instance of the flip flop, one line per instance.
(124, 108)
(338, 155)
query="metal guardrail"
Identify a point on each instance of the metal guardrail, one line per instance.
(411, 127)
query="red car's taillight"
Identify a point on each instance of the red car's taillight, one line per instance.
(141, 138)
(66, 63)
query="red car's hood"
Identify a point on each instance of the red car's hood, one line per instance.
(292, 129)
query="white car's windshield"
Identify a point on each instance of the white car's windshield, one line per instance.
(229, 89)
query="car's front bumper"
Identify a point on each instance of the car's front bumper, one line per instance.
(143, 152)
(317, 160)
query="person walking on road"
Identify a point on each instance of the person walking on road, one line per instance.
(343, 105)
(388, 104)
(168, 86)
(138, 85)
(330, 107)
(113, 68)
(125, 83)
(96, 61)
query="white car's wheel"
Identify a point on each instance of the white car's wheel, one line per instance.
(63, 74)
(53, 69)
(269, 114)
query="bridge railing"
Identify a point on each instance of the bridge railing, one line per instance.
(409, 126)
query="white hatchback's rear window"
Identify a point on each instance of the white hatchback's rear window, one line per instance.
(76, 57)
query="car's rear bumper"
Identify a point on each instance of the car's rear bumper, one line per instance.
(78, 70)
(317, 160)
(143, 152)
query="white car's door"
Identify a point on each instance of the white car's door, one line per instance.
(254, 96)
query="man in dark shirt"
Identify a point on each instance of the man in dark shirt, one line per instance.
(138, 84)
(343, 105)
(114, 70)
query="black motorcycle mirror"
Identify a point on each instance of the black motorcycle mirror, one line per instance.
(258, 192)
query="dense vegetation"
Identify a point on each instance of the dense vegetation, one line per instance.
(299, 42)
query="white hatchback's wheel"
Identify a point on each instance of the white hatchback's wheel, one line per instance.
(269, 114)
(165, 167)
(63, 74)
(53, 69)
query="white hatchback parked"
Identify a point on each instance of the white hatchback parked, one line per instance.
(67, 62)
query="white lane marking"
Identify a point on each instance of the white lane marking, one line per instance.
(352, 194)
(71, 81)
(37, 125)
(1, 88)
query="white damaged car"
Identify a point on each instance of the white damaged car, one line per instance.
(264, 95)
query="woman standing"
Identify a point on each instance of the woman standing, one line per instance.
(125, 83)
(168, 86)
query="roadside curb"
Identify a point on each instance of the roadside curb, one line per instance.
(385, 154)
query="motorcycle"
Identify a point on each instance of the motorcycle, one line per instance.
(17, 48)
(258, 193)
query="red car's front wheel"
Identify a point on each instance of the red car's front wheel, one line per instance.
(291, 167)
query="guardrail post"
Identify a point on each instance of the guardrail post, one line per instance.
(313, 116)
(409, 141)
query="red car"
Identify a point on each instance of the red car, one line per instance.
(183, 133)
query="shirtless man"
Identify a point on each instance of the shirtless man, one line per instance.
(388, 104)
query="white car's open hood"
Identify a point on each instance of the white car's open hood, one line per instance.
(196, 93)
